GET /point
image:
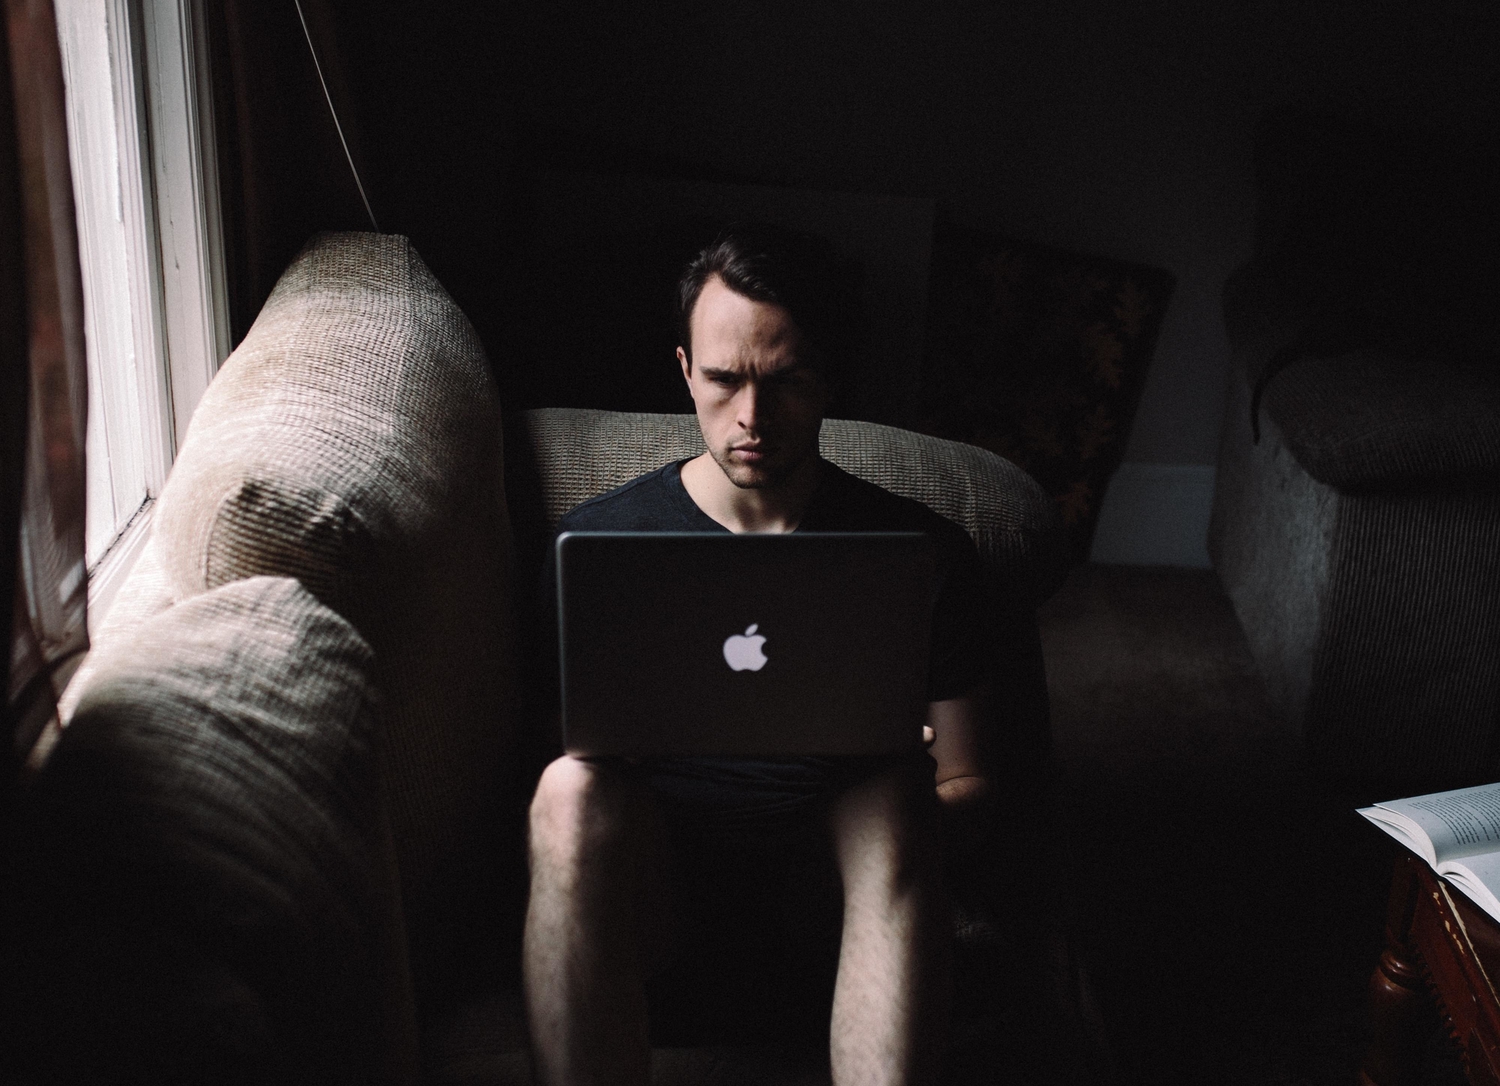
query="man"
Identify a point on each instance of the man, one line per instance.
(627, 858)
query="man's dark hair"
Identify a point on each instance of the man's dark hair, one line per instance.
(782, 267)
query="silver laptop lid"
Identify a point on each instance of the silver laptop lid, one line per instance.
(743, 645)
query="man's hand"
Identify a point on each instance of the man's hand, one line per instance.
(964, 792)
(961, 791)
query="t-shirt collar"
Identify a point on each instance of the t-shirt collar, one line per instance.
(830, 476)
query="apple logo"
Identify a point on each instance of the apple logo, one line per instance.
(742, 651)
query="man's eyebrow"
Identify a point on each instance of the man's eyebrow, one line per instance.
(795, 365)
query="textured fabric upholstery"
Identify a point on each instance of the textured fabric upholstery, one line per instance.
(1369, 419)
(205, 883)
(1373, 615)
(1013, 521)
(1365, 418)
(1271, 537)
(580, 453)
(353, 441)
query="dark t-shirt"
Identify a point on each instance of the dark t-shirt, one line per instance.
(737, 791)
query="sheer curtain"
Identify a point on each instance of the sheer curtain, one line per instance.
(44, 383)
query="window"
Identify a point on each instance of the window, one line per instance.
(150, 244)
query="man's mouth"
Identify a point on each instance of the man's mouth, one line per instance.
(751, 453)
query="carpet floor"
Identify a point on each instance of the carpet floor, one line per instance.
(1227, 903)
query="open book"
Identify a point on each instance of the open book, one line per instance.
(1457, 832)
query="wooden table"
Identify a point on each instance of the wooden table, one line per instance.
(1439, 945)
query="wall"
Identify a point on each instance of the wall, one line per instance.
(1114, 128)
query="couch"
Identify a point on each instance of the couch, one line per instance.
(279, 838)
(1356, 521)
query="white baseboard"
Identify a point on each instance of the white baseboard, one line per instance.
(1156, 515)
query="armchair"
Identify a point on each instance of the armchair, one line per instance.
(1358, 502)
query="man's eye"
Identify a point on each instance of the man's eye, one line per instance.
(724, 380)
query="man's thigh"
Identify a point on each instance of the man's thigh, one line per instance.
(598, 836)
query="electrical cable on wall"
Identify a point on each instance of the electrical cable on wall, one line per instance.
(306, 33)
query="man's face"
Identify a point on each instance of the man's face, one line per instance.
(759, 403)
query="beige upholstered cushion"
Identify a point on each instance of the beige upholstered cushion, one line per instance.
(207, 862)
(353, 441)
(581, 453)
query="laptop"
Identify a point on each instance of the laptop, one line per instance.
(743, 645)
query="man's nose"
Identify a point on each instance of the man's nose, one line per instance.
(753, 407)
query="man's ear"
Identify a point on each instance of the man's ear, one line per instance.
(687, 369)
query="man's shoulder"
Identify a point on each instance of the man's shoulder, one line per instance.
(856, 504)
(639, 505)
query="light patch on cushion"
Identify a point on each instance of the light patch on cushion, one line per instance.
(144, 594)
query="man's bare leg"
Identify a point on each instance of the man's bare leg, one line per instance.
(890, 1003)
(595, 904)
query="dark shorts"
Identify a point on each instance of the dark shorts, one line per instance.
(738, 797)
(756, 899)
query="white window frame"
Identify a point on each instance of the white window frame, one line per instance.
(155, 183)
(190, 224)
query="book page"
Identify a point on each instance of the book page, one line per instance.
(1477, 876)
(1464, 822)
(1402, 829)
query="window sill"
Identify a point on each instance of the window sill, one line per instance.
(114, 566)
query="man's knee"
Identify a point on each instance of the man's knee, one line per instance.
(579, 807)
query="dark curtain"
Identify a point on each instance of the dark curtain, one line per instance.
(282, 169)
(45, 383)
(283, 177)
(14, 383)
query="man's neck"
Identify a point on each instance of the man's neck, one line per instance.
(763, 509)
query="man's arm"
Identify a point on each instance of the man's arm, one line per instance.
(957, 724)
(963, 781)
